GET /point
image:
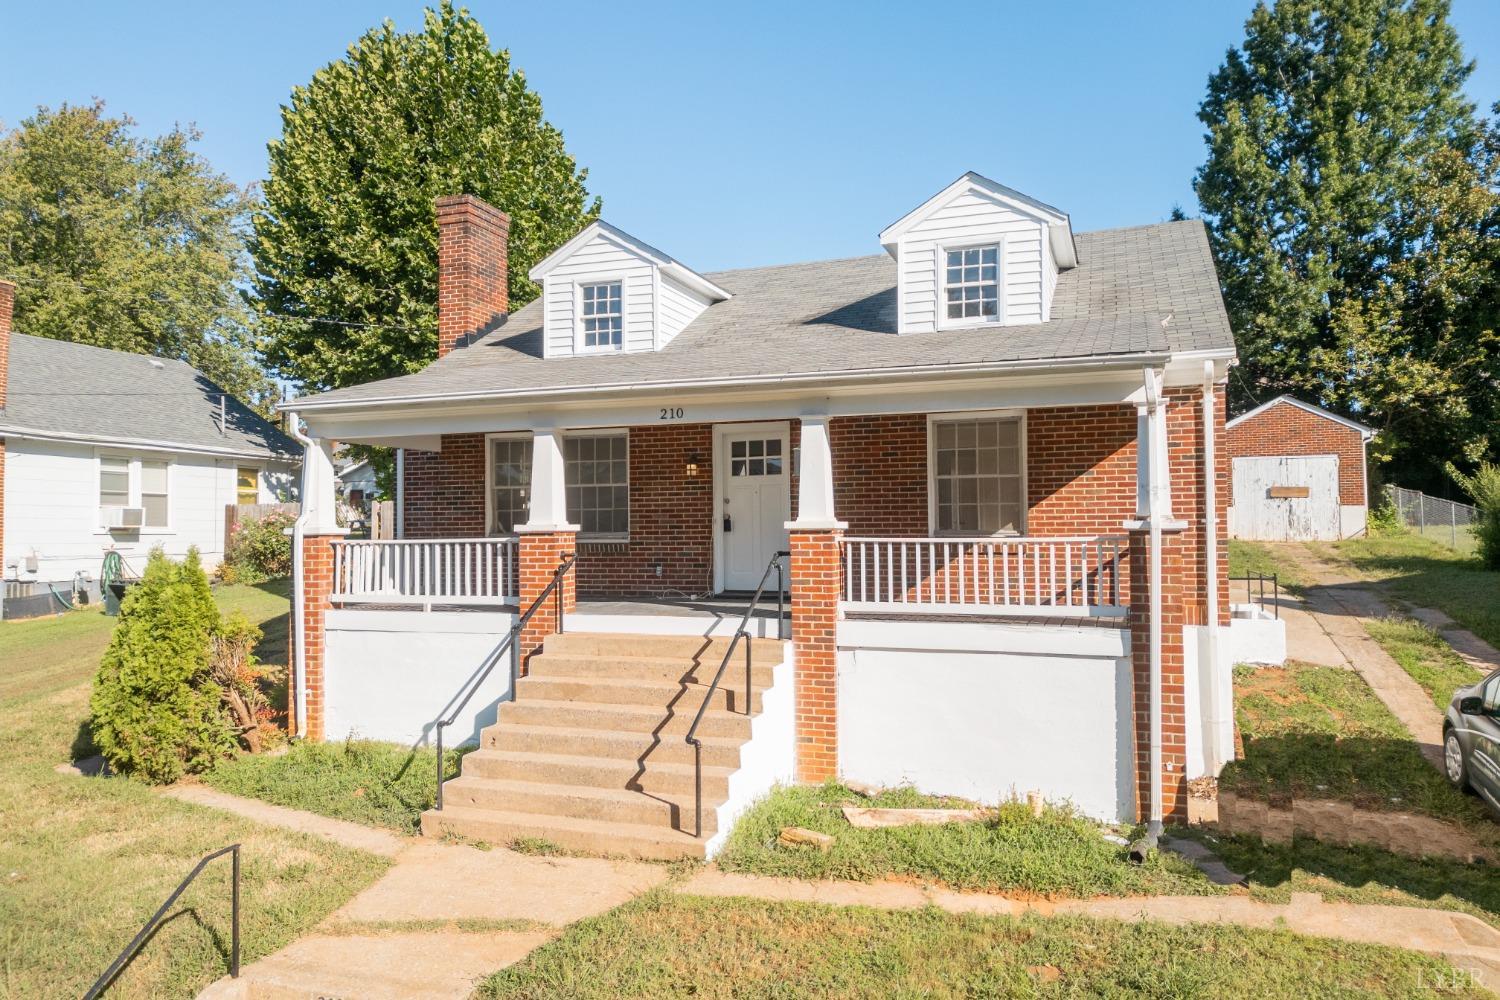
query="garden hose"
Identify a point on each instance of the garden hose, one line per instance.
(112, 570)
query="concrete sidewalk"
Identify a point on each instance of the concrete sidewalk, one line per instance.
(403, 937)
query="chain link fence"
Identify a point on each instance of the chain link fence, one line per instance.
(1443, 521)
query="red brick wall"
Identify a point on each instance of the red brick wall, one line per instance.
(1286, 429)
(473, 286)
(880, 473)
(1175, 554)
(316, 584)
(540, 556)
(444, 490)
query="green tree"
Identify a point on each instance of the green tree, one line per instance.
(156, 712)
(127, 243)
(1349, 192)
(347, 229)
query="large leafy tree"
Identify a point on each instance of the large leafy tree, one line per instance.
(130, 243)
(1350, 195)
(347, 230)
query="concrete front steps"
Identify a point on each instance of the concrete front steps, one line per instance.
(591, 756)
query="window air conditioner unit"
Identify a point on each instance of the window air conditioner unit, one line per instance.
(124, 517)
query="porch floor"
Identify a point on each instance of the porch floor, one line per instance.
(716, 608)
(1042, 621)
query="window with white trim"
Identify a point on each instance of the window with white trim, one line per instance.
(971, 284)
(154, 498)
(510, 483)
(603, 315)
(596, 471)
(977, 476)
(114, 481)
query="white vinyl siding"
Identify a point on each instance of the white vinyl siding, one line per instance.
(679, 307)
(971, 219)
(600, 260)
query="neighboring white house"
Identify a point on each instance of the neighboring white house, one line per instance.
(109, 451)
(357, 483)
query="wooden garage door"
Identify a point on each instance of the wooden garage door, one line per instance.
(1287, 498)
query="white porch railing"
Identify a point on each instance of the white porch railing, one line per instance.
(425, 572)
(1074, 576)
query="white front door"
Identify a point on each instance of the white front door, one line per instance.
(754, 475)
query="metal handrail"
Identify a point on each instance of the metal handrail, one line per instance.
(740, 633)
(134, 946)
(513, 645)
(1258, 596)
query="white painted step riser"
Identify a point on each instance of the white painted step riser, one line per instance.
(547, 665)
(622, 746)
(676, 781)
(555, 800)
(595, 692)
(674, 646)
(506, 831)
(660, 721)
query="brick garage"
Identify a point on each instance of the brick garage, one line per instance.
(1268, 441)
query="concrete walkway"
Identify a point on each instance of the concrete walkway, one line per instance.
(1340, 606)
(1463, 940)
(1471, 649)
(370, 948)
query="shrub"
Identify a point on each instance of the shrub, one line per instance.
(1484, 487)
(156, 712)
(1384, 519)
(259, 549)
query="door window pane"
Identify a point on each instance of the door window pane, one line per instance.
(977, 472)
(755, 458)
(510, 484)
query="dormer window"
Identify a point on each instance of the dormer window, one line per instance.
(972, 284)
(603, 316)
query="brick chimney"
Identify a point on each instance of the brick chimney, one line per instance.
(473, 288)
(7, 305)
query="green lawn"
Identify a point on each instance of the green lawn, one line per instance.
(1360, 874)
(679, 946)
(1426, 574)
(1056, 855)
(378, 784)
(86, 861)
(1261, 559)
(1424, 655)
(1320, 732)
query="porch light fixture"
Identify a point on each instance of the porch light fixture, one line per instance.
(691, 468)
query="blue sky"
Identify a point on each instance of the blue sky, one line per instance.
(730, 135)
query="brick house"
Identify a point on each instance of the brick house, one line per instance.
(987, 463)
(1299, 473)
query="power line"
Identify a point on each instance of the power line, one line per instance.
(274, 315)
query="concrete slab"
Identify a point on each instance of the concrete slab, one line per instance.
(450, 882)
(365, 838)
(1473, 650)
(442, 965)
(1307, 641)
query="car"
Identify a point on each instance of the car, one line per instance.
(1471, 740)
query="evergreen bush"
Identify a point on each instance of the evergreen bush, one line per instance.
(1484, 487)
(156, 711)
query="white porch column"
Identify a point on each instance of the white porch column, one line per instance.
(1151, 471)
(549, 496)
(815, 485)
(319, 494)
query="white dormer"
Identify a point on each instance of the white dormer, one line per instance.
(977, 254)
(606, 292)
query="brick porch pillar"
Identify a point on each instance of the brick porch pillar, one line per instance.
(815, 612)
(316, 584)
(540, 553)
(1174, 553)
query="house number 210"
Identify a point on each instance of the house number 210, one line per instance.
(671, 413)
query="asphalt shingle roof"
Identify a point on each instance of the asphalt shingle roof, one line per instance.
(63, 389)
(834, 316)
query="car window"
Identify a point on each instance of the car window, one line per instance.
(1490, 693)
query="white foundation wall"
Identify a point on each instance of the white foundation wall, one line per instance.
(1353, 520)
(1208, 698)
(389, 675)
(52, 508)
(985, 711)
(769, 758)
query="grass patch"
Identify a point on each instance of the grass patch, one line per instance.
(1424, 655)
(364, 781)
(1320, 732)
(1426, 574)
(1058, 854)
(84, 862)
(1360, 874)
(664, 945)
(1261, 559)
